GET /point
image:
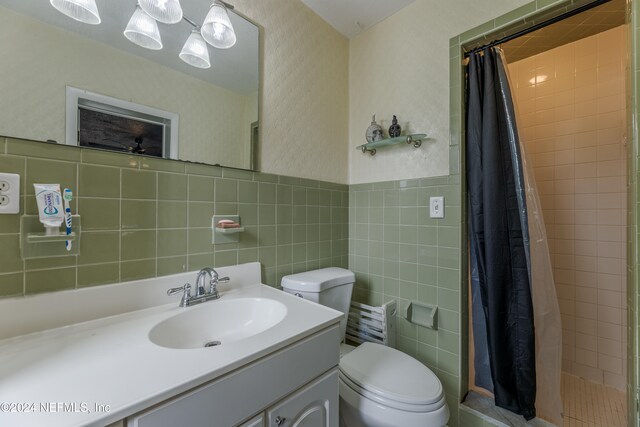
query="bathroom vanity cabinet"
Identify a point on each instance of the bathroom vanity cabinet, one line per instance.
(275, 365)
(295, 386)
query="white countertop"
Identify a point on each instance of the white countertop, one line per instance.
(111, 361)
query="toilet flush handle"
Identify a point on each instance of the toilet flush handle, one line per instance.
(280, 420)
(298, 294)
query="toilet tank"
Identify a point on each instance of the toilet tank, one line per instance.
(330, 287)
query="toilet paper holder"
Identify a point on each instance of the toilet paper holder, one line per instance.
(422, 314)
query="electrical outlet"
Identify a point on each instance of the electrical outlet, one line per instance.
(9, 193)
(436, 207)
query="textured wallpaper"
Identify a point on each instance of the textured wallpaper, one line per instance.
(45, 59)
(304, 111)
(401, 66)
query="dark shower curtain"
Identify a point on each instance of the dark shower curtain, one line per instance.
(499, 239)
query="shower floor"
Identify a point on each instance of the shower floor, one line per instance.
(585, 404)
(589, 404)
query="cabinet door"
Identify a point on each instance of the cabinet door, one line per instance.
(254, 422)
(314, 405)
(232, 398)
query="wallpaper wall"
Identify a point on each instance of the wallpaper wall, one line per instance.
(304, 116)
(401, 66)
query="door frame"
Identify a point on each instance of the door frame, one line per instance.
(517, 20)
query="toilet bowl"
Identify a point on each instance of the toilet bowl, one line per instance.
(379, 386)
(383, 387)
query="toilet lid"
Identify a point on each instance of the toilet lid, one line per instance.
(391, 374)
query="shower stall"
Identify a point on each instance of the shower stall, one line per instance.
(568, 84)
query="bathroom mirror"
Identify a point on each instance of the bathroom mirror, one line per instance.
(79, 84)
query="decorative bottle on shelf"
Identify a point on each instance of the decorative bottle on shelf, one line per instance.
(374, 132)
(394, 129)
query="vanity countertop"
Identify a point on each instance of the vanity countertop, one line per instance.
(100, 371)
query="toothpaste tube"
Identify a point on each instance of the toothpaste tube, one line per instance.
(50, 207)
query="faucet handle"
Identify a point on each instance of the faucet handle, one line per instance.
(213, 285)
(186, 289)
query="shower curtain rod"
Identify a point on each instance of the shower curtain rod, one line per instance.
(535, 27)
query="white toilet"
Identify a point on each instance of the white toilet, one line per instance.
(379, 386)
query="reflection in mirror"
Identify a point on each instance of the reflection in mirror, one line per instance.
(67, 81)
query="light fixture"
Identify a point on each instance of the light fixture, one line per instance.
(143, 30)
(165, 11)
(81, 10)
(538, 79)
(217, 29)
(195, 51)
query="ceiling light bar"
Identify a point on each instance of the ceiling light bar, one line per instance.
(142, 29)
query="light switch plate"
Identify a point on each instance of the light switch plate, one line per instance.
(436, 207)
(9, 193)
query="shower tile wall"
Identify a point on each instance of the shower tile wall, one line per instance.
(571, 103)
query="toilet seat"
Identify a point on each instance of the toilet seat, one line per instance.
(359, 411)
(390, 403)
(391, 378)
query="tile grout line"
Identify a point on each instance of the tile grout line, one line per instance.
(121, 184)
(157, 230)
(77, 192)
(24, 263)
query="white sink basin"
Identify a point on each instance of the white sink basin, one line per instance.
(215, 323)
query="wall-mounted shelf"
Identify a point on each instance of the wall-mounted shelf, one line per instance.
(225, 235)
(35, 243)
(42, 237)
(229, 230)
(413, 139)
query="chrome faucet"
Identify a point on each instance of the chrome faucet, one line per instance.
(201, 293)
(200, 280)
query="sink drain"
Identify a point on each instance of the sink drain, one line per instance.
(212, 344)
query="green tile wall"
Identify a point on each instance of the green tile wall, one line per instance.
(398, 252)
(144, 217)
